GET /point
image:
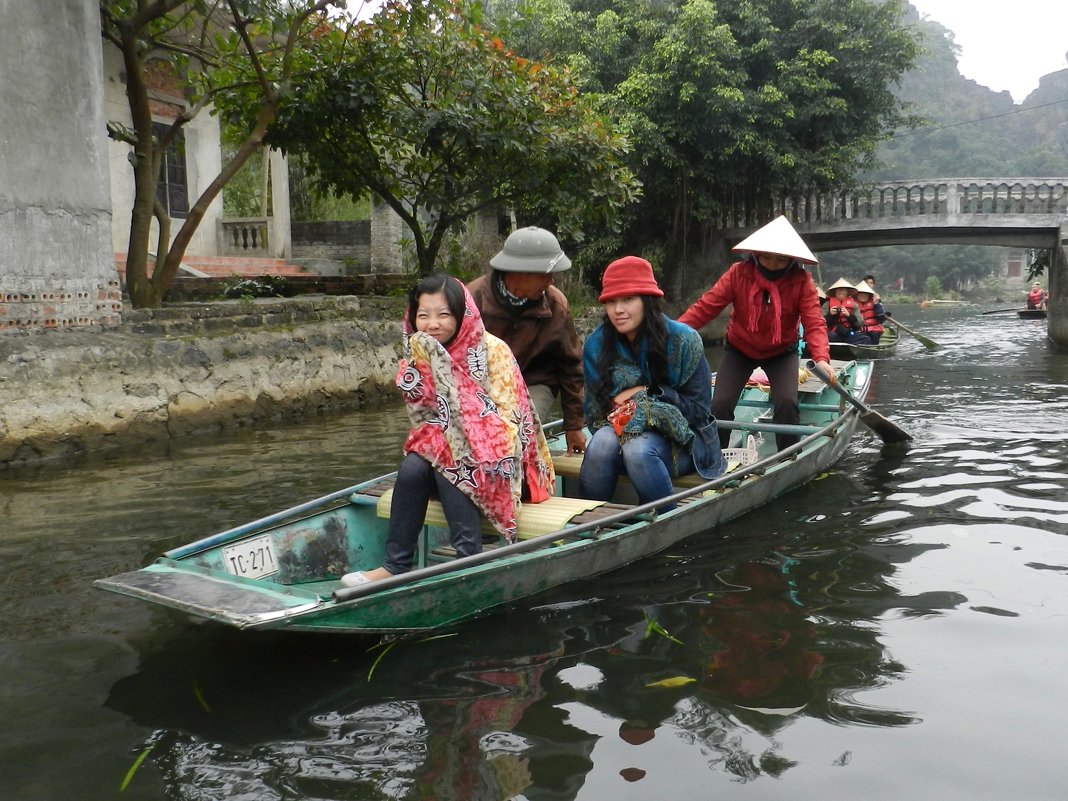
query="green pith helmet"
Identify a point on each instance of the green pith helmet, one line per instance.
(531, 250)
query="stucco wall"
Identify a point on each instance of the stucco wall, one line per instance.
(57, 267)
(203, 162)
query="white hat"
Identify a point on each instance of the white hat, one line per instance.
(841, 282)
(778, 237)
(864, 286)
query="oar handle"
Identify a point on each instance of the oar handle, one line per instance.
(829, 380)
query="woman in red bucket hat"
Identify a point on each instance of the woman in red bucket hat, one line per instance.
(648, 392)
(772, 294)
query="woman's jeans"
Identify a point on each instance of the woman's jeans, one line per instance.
(645, 459)
(417, 483)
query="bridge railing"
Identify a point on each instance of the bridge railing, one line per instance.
(955, 196)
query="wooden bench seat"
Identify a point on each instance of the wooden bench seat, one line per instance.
(535, 519)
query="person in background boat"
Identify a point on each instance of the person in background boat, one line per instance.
(871, 312)
(869, 279)
(844, 323)
(476, 442)
(772, 293)
(1036, 298)
(520, 305)
(648, 392)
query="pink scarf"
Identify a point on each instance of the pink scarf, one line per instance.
(758, 288)
(473, 420)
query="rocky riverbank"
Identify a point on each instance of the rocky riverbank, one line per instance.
(192, 368)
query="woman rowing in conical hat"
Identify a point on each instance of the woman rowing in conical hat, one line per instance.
(772, 293)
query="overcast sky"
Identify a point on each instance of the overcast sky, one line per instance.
(1006, 44)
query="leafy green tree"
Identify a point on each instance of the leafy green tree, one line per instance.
(731, 106)
(427, 108)
(958, 266)
(932, 287)
(231, 54)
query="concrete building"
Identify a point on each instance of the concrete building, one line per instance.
(66, 189)
(57, 264)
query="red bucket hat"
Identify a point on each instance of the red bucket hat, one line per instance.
(630, 275)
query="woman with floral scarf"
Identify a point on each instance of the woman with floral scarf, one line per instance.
(648, 392)
(476, 441)
(772, 295)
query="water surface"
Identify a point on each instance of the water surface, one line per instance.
(893, 630)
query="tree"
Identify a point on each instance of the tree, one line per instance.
(731, 106)
(429, 109)
(227, 54)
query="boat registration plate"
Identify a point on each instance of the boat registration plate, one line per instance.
(252, 558)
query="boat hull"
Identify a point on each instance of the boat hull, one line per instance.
(339, 533)
(886, 347)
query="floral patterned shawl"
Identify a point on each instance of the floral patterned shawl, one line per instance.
(473, 420)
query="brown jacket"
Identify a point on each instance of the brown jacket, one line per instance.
(544, 340)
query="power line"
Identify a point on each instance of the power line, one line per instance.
(980, 119)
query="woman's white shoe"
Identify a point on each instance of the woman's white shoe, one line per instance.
(354, 580)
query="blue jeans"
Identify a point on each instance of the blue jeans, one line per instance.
(645, 459)
(417, 483)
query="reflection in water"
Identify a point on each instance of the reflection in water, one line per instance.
(892, 630)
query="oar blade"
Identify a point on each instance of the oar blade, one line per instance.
(927, 342)
(930, 344)
(888, 431)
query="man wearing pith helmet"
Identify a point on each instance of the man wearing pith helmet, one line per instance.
(520, 305)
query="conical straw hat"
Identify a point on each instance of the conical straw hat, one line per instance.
(864, 286)
(840, 283)
(780, 238)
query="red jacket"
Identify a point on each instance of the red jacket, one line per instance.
(752, 327)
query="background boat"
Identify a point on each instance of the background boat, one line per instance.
(886, 347)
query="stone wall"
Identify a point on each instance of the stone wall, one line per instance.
(347, 241)
(189, 369)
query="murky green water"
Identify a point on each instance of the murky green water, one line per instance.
(893, 631)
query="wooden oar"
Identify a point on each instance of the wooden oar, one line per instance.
(930, 344)
(1002, 311)
(887, 431)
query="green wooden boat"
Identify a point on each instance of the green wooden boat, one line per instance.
(283, 571)
(886, 347)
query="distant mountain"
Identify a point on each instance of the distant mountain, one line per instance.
(972, 130)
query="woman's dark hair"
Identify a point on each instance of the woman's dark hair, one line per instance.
(654, 330)
(432, 285)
